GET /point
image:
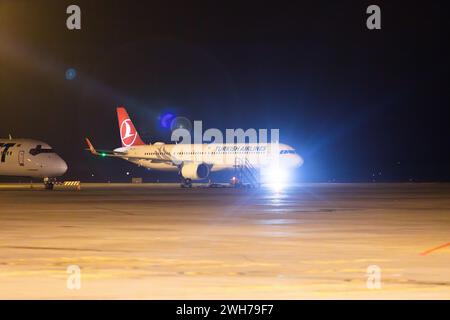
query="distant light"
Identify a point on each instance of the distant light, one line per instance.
(71, 73)
(103, 154)
(128, 173)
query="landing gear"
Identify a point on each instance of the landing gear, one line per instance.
(49, 184)
(186, 183)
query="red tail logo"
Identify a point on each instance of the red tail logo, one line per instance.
(128, 133)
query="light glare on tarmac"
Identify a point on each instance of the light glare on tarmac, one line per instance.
(163, 242)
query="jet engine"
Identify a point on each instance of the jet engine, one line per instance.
(195, 171)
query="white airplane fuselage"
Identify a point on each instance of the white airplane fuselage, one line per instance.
(29, 158)
(161, 156)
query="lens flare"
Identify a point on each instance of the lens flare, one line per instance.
(166, 119)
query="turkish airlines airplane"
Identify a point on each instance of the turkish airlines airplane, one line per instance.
(30, 158)
(195, 161)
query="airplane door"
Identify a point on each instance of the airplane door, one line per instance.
(22, 158)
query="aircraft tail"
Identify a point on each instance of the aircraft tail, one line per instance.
(128, 133)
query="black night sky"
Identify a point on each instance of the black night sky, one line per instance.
(353, 102)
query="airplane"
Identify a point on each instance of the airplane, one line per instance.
(30, 158)
(193, 161)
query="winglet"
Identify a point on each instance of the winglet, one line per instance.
(91, 147)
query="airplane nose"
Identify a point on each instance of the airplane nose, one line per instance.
(61, 167)
(293, 161)
(298, 161)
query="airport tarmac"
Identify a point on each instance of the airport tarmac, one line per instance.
(312, 241)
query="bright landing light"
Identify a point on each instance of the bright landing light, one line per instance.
(275, 177)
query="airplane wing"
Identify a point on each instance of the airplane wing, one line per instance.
(116, 154)
(104, 153)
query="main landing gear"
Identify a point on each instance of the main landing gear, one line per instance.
(186, 183)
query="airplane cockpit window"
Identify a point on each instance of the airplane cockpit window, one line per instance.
(287, 151)
(39, 150)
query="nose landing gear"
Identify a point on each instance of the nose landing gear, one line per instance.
(49, 183)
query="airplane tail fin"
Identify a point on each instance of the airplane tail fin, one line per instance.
(128, 133)
(91, 147)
